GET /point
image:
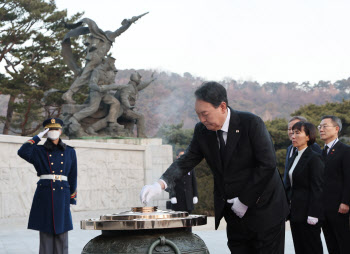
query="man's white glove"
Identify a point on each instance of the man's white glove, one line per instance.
(238, 207)
(41, 134)
(173, 200)
(312, 220)
(195, 200)
(149, 191)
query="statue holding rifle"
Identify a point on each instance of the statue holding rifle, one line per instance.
(97, 44)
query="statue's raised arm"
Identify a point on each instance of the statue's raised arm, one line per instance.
(98, 44)
(126, 23)
(144, 84)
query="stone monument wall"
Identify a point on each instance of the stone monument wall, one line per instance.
(111, 173)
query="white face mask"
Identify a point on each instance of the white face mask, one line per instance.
(54, 134)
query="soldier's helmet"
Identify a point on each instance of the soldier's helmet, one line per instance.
(136, 77)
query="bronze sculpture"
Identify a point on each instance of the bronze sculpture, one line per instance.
(107, 102)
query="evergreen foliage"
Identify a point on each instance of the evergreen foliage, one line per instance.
(31, 32)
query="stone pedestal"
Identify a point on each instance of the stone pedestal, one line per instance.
(111, 173)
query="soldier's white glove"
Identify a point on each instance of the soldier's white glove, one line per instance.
(148, 192)
(312, 220)
(238, 207)
(195, 200)
(173, 200)
(41, 134)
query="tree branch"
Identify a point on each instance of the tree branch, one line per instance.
(10, 64)
(30, 131)
(26, 117)
(6, 51)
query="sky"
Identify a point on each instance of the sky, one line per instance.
(246, 40)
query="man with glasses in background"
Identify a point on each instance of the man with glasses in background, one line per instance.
(336, 188)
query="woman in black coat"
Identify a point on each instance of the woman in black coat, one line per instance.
(304, 189)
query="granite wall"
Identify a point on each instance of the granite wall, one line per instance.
(111, 173)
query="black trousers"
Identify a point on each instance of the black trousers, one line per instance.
(53, 244)
(337, 233)
(241, 240)
(306, 238)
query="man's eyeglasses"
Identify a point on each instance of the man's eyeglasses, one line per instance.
(324, 126)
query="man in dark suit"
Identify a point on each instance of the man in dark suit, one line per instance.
(290, 150)
(336, 187)
(248, 190)
(185, 195)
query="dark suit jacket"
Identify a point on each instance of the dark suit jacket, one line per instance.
(315, 147)
(337, 177)
(306, 193)
(249, 171)
(185, 190)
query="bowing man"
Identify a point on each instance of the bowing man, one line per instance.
(248, 191)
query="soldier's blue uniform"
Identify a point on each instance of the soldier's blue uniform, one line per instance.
(50, 210)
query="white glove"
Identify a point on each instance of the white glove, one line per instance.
(41, 134)
(238, 207)
(173, 200)
(195, 200)
(149, 191)
(312, 220)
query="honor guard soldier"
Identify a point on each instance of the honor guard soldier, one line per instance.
(56, 165)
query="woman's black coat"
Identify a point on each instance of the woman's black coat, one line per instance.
(305, 195)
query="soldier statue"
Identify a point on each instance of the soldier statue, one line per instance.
(127, 95)
(102, 80)
(98, 45)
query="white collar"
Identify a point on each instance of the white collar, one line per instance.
(227, 121)
(301, 151)
(332, 143)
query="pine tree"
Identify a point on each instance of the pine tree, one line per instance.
(30, 35)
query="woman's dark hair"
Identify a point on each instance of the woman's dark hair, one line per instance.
(308, 128)
(212, 92)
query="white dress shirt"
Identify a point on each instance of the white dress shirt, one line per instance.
(331, 144)
(295, 162)
(224, 127)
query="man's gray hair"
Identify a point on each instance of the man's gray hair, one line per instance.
(300, 118)
(335, 120)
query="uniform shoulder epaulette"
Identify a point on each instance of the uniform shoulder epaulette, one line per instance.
(30, 141)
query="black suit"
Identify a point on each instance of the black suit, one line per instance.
(305, 195)
(315, 147)
(337, 191)
(185, 190)
(249, 172)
